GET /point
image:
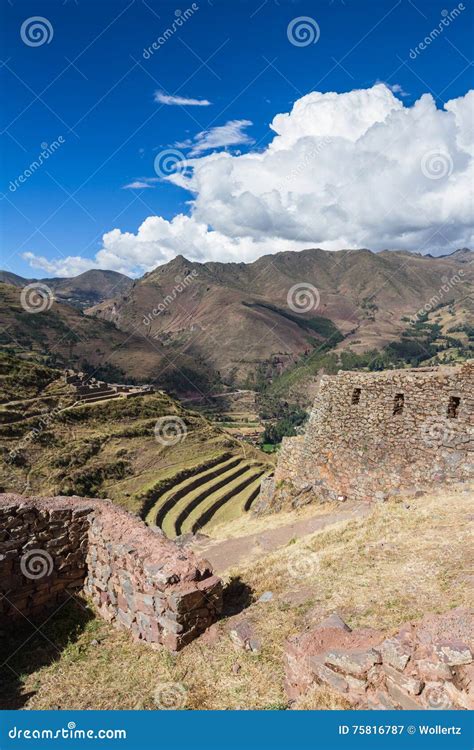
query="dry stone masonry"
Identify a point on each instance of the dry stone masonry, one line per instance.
(51, 548)
(372, 435)
(89, 390)
(425, 665)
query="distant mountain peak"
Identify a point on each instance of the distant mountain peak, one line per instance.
(84, 290)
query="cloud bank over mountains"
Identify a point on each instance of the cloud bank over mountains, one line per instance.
(357, 169)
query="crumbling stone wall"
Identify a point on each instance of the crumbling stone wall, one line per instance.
(137, 578)
(371, 435)
(425, 665)
(43, 550)
(143, 581)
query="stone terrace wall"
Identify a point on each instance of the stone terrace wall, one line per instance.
(43, 550)
(426, 665)
(143, 581)
(374, 434)
(137, 578)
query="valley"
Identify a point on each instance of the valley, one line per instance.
(157, 413)
(237, 375)
(143, 450)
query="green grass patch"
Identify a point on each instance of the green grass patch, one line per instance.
(201, 514)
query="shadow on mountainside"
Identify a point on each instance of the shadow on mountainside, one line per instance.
(26, 647)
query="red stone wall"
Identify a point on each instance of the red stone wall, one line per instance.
(43, 548)
(425, 665)
(137, 578)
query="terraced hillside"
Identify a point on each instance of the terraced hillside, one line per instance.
(221, 489)
(52, 444)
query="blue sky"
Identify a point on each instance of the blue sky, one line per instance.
(93, 88)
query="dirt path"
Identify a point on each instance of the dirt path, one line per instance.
(229, 553)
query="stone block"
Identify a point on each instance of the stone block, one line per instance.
(327, 676)
(453, 653)
(355, 684)
(125, 618)
(241, 633)
(459, 698)
(465, 676)
(145, 603)
(430, 670)
(170, 626)
(379, 700)
(402, 699)
(396, 652)
(334, 621)
(353, 662)
(186, 600)
(405, 682)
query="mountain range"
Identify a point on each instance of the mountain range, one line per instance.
(237, 316)
(191, 325)
(85, 290)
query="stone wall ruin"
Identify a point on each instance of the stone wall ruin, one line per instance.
(372, 435)
(51, 548)
(425, 665)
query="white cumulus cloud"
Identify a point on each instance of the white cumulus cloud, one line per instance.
(73, 265)
(356, 169)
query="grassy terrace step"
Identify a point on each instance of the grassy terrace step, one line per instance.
(161, 490)
(101, 396)
(180, 510)
(168, 499)
(237, 505)
(201, 515)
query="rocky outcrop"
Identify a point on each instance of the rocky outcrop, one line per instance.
(375, 435)
(138, 579)
(425, 665)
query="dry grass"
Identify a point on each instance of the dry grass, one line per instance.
(321, 699)
(395, 565)
(120, 674)
(250, 524)
(380, 571)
